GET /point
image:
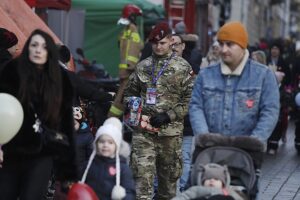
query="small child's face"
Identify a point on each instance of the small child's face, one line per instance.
(213, 183)
(106, 146)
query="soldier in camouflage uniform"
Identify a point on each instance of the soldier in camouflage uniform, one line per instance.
(163, 81)
(130, 48)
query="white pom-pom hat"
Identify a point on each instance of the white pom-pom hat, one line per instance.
(113, 128)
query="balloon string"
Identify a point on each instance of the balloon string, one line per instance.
(88, 166)
(1, 156)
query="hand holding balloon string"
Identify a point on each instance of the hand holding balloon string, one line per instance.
(1, 156)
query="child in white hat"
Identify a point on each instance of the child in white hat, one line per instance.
(107, 171)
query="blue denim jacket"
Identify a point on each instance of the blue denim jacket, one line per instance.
(235, 105)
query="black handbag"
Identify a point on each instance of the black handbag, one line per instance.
(52, 141)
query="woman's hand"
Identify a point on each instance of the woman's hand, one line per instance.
(1, 156)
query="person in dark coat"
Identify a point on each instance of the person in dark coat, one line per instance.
(107, 171)
(8, 46)
(45, 94)
(295, 114)
(84, 137)
(191, 52)
(277, 63)
(178, 47)
(83, 90)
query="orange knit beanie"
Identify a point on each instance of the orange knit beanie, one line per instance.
(234, 32)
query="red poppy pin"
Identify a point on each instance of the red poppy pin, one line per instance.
(112, 170)
(249, 103)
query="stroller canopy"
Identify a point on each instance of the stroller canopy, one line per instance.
(238, 162)
(241, 154)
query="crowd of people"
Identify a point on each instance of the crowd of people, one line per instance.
(233, 91)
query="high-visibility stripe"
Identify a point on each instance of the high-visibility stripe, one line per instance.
(116, 111)
(127, 48)
(126, 34)
(132, 59)
(135, 37)
(123, 66)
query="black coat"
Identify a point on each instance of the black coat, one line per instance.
(28, 143)
(5, 57)
(84, 145)
(282, 67)
(296, 71)
(102, 179)
(86, 90)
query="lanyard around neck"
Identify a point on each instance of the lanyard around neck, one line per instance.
(161, 71)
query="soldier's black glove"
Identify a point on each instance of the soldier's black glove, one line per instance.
(160, 119)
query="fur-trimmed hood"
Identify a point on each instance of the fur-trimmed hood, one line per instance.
(125, 150)
(242, 142)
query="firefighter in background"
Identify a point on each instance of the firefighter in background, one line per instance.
(130, 44)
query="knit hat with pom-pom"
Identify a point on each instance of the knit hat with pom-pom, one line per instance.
(113, 128)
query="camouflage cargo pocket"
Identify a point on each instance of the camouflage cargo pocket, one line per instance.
(134, 165)
(176, 170)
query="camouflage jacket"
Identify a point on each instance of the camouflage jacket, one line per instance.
(173, 87)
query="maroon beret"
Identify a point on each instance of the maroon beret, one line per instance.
(7, 39)
(159, 32)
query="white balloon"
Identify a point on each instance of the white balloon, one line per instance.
(11, 117)
(297, 99)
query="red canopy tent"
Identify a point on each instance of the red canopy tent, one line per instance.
(18, 17)
(56, 4)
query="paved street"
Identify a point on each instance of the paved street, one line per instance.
(281, 173)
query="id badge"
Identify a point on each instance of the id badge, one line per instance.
(151, 96)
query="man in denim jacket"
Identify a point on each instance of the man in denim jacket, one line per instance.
(237, 96)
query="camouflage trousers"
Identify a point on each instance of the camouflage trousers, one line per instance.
(156, 155)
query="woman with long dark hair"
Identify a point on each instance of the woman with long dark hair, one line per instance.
(45, 92)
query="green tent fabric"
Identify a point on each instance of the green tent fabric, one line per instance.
(102, 31)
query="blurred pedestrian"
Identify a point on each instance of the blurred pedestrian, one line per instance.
(192, 53)
(213, 56)
(178, 47)
(277, 62)
(296, 85)
(259, 56)
(131, 45)
(283, 73)
(8, 46)
(281, 125)
(82, 89)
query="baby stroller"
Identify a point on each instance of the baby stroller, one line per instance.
(243, 156)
